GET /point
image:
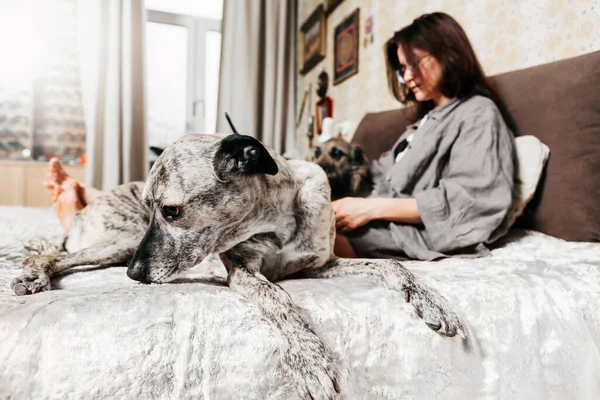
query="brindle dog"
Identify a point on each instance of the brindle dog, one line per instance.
(266, 217)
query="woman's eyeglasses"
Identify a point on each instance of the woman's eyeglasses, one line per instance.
(411, 67)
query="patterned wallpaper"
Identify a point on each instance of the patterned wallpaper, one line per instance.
(507, 35)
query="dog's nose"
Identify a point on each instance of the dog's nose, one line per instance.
(137, 273)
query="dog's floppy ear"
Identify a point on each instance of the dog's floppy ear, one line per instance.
(243, 154)
(358, 157)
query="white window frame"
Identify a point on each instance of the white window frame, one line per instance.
(197, 28)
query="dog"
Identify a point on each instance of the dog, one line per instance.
(346, 166)
(266, 217)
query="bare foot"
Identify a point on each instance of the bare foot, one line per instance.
(57, 178)
(67, 203)
(57, 174)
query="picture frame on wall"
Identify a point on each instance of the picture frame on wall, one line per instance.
(331, 5)
(313, 39)
(345, 48)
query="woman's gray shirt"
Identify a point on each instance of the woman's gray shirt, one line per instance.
(460, 169)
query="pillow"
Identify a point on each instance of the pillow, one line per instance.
(532, 155)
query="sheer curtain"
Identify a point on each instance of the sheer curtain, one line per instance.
(258, 70)
(111, 42)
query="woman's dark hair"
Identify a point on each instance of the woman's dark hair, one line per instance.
(441, 36)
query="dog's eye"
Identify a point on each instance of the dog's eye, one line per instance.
(171, 212)
(317, 152)
(335, 153)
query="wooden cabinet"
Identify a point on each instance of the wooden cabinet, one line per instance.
(11, 184)
(21, 182)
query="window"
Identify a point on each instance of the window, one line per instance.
(40, 99)
(183, 47)
(166, 58)
(41, 113)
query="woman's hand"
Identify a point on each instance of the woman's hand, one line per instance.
(352, 212)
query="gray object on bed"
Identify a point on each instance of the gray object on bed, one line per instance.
(531, 309)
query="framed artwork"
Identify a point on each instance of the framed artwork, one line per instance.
(331, 5)
(313, 39)
(345, 43)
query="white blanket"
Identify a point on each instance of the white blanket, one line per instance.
(532, 310)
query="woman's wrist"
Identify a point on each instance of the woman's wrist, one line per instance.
(375, 208)
(372, 212)
(397, 210)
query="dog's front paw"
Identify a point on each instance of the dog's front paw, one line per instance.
(36, 276)
(30, 284)
(321, 383)
(435, 310)
(313, 371)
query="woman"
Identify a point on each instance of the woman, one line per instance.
(446, 185)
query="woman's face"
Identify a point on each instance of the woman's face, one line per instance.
(424, 76)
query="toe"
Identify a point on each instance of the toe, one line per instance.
(20, 289)
(53, 165)
(56, 193)
(444, 325)
(450, 333)
(40, 287)
(433, 326)
(449, 329)
(56, 171)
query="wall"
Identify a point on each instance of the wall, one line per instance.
(506, 34)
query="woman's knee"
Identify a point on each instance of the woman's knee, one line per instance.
(342, 247)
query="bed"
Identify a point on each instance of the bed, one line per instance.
(531, 307)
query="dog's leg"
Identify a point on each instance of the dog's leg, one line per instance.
(39, 268)
(304, 356)
(429, 304)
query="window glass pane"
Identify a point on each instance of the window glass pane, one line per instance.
(213, 58)
(18, 40)
(40, 89)
(199, 8)
(167, 61)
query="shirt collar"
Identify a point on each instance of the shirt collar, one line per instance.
(440, 112)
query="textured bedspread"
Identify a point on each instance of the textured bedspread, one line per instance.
(532, 309)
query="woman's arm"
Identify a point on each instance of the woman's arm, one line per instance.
(353, 212)
(397, 210)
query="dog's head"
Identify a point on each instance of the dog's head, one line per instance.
(197, 193)
(345, 165)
